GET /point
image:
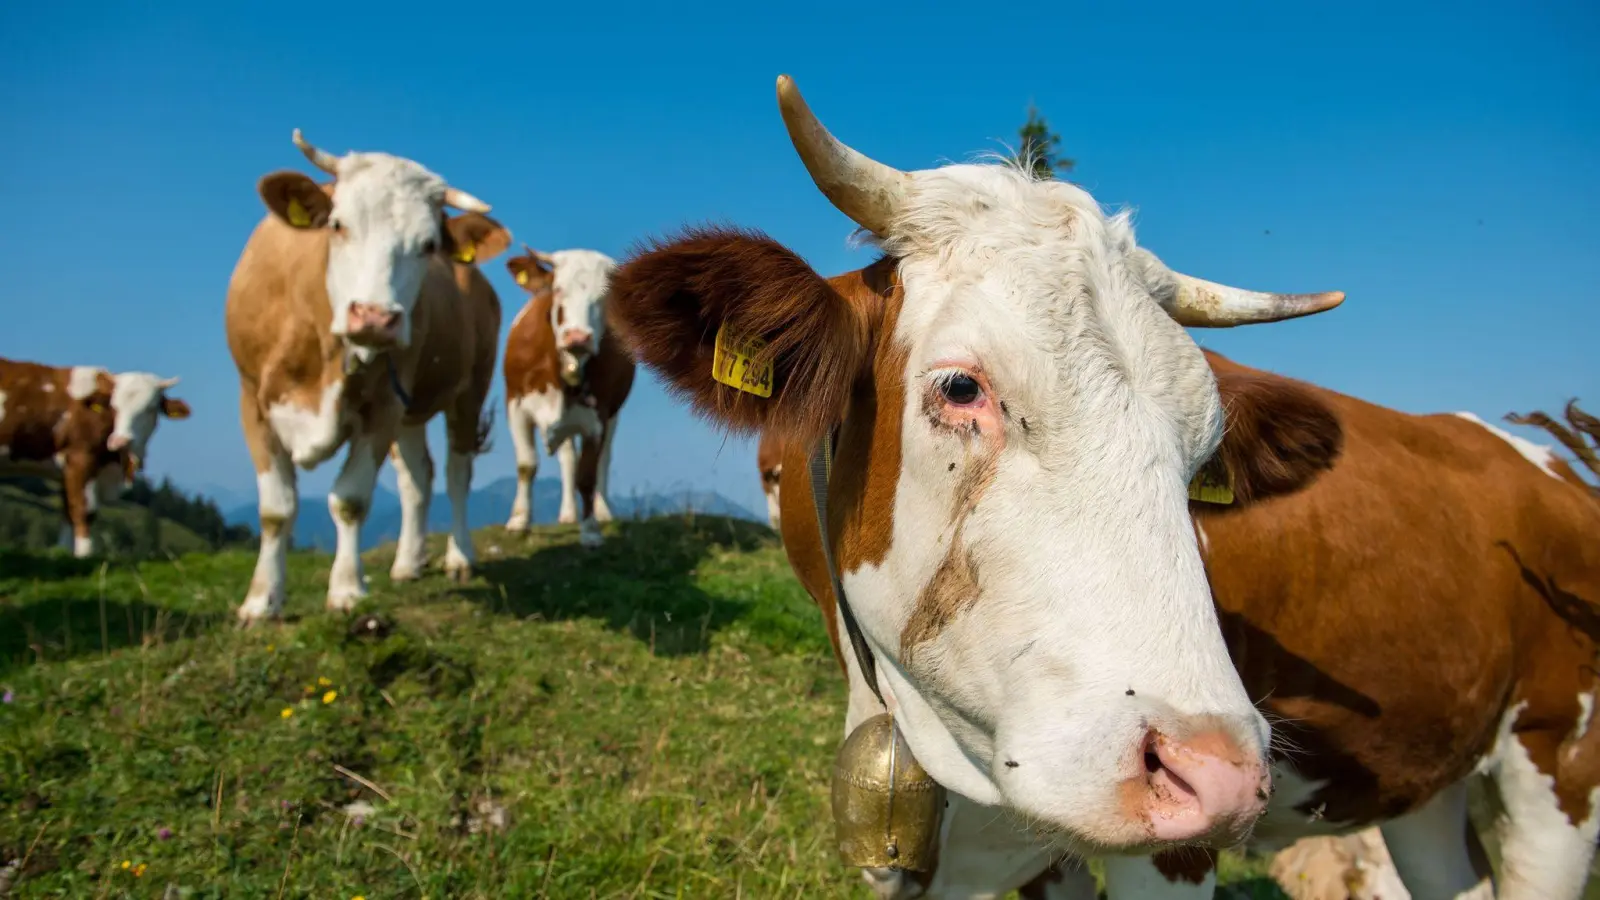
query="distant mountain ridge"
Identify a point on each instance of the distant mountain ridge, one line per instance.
(488, 505)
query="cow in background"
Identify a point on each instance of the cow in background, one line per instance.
(83, 427)
(356, 313)
(566, 376)
(769, 460)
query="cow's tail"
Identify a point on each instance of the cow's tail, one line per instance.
(482, 443)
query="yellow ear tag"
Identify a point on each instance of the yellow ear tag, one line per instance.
(466, 253)
(522, 278)
(1212, 484)
(733, 364)
(298, 217)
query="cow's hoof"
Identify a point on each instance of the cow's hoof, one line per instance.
(409, 573)
(344, 602)
(258, 608)
(567, 518)
(517, 526)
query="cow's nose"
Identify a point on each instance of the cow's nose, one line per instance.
(1205, 787)
(117, 442)
(576, 338)
(370, 319)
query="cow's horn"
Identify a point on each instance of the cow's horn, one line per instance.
(322, 159)
(867, 191)
(1204, 304)
(464, 201)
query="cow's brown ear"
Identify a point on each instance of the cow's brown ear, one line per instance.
(791, 347)
(296, 199)
(173, 408)
(475, 238)
(1280, 435)
(528, 272)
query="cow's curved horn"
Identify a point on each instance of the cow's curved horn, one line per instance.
(867, 191)
(464, 201)
(322, 159)
(1204, 304)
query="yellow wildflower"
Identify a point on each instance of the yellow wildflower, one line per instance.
(309, 689)
(323, 681)
(358, 897)
(330, 696)
(126, 863)
(138, 871)
(271, 647)
(287, 712)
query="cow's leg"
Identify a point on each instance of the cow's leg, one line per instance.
(588, 474)
(348, 503)
(414, 472)
(78, 501)
(276, 504)
(462, 427)
(602, 478)
(1193, 877)
(527, 450)
(567, 460)
(1547, 786)
(1429, 849)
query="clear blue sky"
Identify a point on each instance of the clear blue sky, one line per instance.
(1439, 164)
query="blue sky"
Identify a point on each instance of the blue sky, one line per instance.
(1437, 163)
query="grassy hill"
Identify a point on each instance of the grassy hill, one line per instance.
(31, 516)
(654, 720)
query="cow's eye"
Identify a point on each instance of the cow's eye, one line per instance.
(429, 247)
(960, 389)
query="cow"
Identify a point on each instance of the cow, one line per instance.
(769, 461)
(566, 375)
(83, 427)
(1016, 413)
(356, 313)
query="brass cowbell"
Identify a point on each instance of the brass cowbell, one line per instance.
(886, 808)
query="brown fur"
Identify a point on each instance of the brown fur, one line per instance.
(1421, 526)
(769, 460)
(278, 321)
(669, 299)
(50, 434)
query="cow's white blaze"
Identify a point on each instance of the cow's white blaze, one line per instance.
(1089, 583)
(82, 381)
(386, 223)
(578, 307)
(310, 436)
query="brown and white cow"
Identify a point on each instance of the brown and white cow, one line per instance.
(566, 375)
(769, 461)
(356, 314)
(83, 427)
(1019, 413)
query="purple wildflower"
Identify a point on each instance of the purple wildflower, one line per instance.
(164, 834)
(7, 697)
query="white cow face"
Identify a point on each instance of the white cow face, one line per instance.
(384, 217)
(138, 399)
(577, 310)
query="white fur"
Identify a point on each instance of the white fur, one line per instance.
(389, 209)
(1090, 575)
(459, 556)
(276, 499)
(1542, 853)
(414, 475)
(136, 399)
(546, 412)
(81, 381)
(348, 503)
(311, 436)
(772, 505)
(1538, 454)
(2, 406)
(82, 545)
(1585, 714)
(581, 280)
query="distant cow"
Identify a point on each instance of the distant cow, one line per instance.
(769, 461)
(83, 427)
(1017, 414)
(567, 376)
(355, 314)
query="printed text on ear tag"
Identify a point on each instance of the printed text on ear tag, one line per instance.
(298, 217)
(1212, 484)
(466, 253)
(733, 363)
(522, 278)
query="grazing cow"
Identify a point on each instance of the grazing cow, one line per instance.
(769, 460)
(1018, 414)
(568, 376)
(83, 427)
(356, 314)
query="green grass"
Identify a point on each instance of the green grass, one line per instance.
(656, 719)
(40, 515)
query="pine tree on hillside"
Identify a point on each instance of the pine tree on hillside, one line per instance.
(1039, 147)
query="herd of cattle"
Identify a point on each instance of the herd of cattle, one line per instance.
(1144, 599)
